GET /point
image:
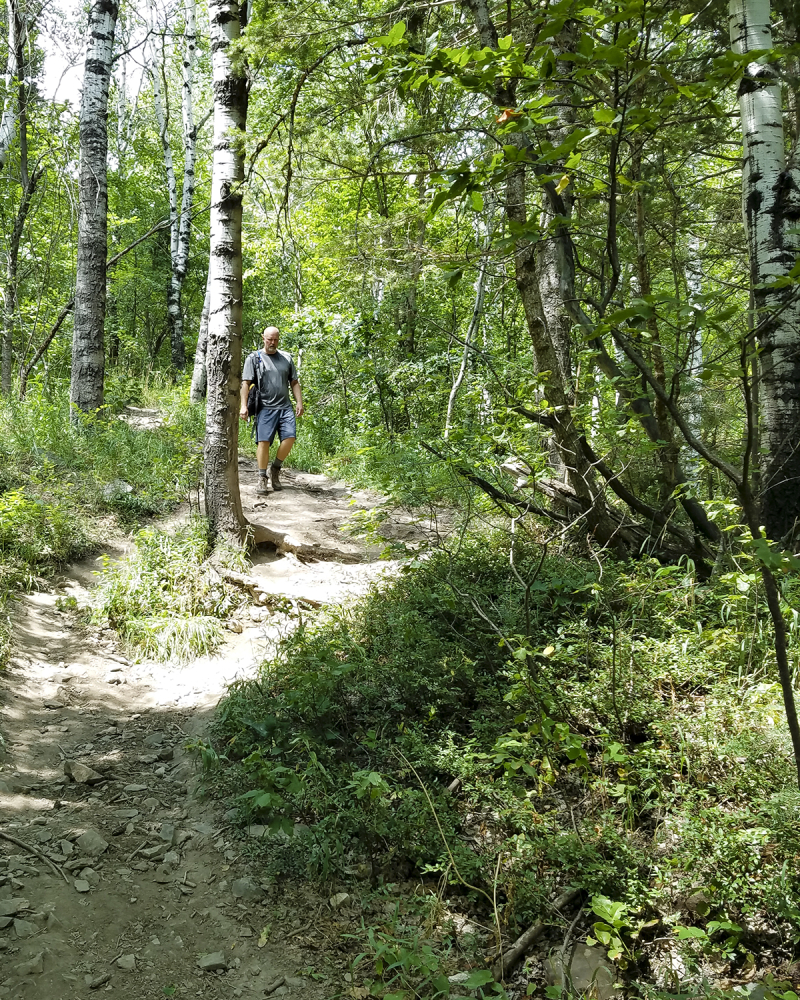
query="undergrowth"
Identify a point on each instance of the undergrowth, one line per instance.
(164, 599)
(618, 731)
(64, 485)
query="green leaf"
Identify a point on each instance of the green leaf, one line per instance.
(477, 200)
(480, 977)
(396, 34)
(604, 115)
(504, 43)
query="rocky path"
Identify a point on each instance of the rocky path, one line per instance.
(115, 875)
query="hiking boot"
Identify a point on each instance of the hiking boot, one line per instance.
(275, 477)
(262, 488)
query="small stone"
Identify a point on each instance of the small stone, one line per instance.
(95, 982)
(160, 772)
(154, 739)
(81, 885)
(166, 754)
(135, 788)
(45, 836)
(163, 876)
(90, 875)
(213, 962)
(126, 962)
(339, 900)
(82, 773)
(129, 828)
(92, 844)
(167, 833)
(234, 626)
(66, 847)
(9, 907)
(295, 982)
(148, 758)
(33, 967)
(126, 813)
(24, 928)
(203, 829)
(151, 804)
(247, 888)
(172, 859)
(5, 922)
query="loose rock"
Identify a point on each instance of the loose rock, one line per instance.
(247, 888)
(9, 907)
(213, 962)
(82, 773)
(32, 967)
(81, 885)
(126, 962)
(339, 900)
(25, 929)
(92, 844)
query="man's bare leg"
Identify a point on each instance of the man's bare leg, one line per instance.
(262, 460)
(275, 468)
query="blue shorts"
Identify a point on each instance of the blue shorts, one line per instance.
(270, 422)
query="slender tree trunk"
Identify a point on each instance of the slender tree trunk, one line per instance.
(474, 323)
(197, 392)
(11, 289)
(88, 361)
(180, 258)
(771, 203)
(14, 73)
(224, 352)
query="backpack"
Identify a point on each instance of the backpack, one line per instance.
(254, 395)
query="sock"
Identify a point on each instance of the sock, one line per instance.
(262, 472)
(277, 463)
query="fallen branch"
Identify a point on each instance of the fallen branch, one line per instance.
(37, 853)
(517, 951)
(255, 587)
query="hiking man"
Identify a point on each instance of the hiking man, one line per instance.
(275, 373)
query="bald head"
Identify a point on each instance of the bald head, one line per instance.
(271, 336)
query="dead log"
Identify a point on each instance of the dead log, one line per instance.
(510, 959)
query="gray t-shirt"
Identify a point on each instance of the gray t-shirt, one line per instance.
(276, 373)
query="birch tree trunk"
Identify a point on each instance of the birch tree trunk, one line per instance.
(474, 323)
(771, 203)
(88, 361)
(224, 351)
(197, 392)
(179, 248)
(14, 73)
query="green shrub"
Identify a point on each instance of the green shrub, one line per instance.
(163, 598)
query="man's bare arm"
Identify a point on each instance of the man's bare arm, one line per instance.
(245, 390)
(297, 392)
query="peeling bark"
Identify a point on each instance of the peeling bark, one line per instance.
(771, 209)
(88, 361)
(197, 392)
(224, 351)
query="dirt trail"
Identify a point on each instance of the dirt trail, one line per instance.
(130, 883)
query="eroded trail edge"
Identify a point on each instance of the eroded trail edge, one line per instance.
(129, 881)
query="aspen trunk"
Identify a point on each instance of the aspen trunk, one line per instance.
(197, 392)
(13, 75)
(770, 203)
(88, 361)
(224, 351)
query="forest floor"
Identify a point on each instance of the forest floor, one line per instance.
(116, 873)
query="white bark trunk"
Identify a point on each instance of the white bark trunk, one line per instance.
(88, 361)
(771, 200)
(224, 352)
(474, 323)
(14, 72)
(197, 392)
